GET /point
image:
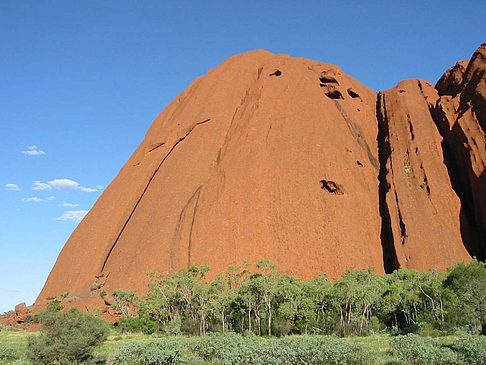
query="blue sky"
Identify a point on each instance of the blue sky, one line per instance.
(81, 81)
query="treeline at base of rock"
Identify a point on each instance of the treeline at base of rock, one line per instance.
(258, 299)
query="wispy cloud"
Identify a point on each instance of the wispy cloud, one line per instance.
(38, 185)
(12, 187)
(69, 205)
(63, 184)
(33, 151)
(88, 190)
(36, 199)
(73, 215)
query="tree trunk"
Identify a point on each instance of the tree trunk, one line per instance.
(223, 321)
(270, 323)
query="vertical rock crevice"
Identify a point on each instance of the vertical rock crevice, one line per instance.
(390, 260)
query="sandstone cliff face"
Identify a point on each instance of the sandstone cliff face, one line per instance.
(269, 156)
(420, 209)
(460, 114)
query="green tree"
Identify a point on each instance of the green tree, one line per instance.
(316, 304)
(222, 295)
(468, 282)
(402, 299)
(356, 295)
(191, 295)
(268, 288)
(125, 302)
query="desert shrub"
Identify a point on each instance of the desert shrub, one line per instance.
(224, 349)
(472, 349)
(137, 324)
(66, 338)
(148, 353)
(234, 349)
(8, 353)
(412, 349)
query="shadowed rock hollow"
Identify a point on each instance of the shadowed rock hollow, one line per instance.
(269, 156)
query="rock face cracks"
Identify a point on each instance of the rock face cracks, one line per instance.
(269, 156)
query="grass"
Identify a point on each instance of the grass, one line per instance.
(13, 339)
(378, 344)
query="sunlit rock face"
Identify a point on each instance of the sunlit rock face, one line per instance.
(269, 156)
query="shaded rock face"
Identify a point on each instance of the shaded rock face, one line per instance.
(460, 114)
(269, 156)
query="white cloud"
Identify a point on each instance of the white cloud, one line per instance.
(33, 151)
(87, 190)
(64, 184)
(73, 215)
(69, 205)
(35, 199)
(12, 187)
(38, 185)
(32, 199)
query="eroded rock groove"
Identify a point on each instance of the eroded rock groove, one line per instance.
(188, 132)
(390, 261)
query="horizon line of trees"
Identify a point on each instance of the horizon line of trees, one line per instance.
(265, 302)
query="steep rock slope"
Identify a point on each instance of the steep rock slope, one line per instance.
(269, 156)
(420, 209)
(253, 160)
(460, 113)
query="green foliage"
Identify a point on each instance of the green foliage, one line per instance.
(66, 338)
(472, 349)
(8, 352)
(357, 295)
(147, 353)
(260, 300)
(413, 349)
(468, 283)
(233, 349)
(125, 302)
(137, 324)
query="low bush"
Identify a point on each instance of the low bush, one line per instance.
(232, 349)
(164, 352)
(413, 349)
(66, 338)
(472, 349)
(137, 324)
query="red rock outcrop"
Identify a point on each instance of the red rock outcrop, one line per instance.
(269, 156)
(420, 210)
(17, 317)
(460, 113)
